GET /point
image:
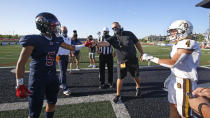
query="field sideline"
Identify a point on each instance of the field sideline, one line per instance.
(10, 54)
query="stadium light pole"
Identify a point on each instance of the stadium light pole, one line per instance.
(209, 18)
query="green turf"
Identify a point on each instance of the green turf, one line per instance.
(10, 54)
(83, 110)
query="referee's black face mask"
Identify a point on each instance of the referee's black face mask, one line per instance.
(105, 33)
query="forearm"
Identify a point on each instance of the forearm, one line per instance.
(205, 111)
(139, 47)
(102, 44)
(166, 61)
(20, 69)
(69, 47)
(23, 58)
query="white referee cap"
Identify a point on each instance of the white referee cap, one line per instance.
(106, 29)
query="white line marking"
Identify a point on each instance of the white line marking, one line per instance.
(119, 109)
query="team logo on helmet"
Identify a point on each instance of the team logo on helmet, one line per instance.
(47, 23)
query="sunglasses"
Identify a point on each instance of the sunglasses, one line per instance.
(115, 28)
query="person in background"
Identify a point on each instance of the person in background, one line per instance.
(63, 55)
(92, 50)
(201, 103)
(75, 54)
(105, 57)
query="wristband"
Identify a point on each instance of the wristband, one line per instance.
(19, 82)
(155, 60)
(200, 107)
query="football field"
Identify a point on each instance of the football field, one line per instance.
(10, 54)
(87, 100)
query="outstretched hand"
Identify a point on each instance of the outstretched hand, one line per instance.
(147, 57)
(204, 92)
(88, 43)
(141, 58)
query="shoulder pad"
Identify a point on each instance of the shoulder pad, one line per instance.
(187, 44)
(28, 40)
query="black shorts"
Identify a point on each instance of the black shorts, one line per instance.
(131, 67)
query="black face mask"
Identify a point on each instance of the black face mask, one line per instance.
(117, 30)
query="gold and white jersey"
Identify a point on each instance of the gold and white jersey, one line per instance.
(186, 66)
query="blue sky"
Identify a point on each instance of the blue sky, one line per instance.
(142, 17)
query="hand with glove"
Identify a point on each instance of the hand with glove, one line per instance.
(21, 90)
(88, 43)
(148, 57)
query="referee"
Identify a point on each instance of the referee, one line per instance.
(63, 62)
(105, 57)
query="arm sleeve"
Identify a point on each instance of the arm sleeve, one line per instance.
(113, 41)
(110, 40)
(79, 42)
(26, 41)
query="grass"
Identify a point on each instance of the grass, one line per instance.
(83, 110)
(10, 54)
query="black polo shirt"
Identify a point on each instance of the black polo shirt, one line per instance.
(124, 45)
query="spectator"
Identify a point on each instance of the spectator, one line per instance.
(92, 50)
(201, 103)
(76, 53)
(63, 62)
(105, 57)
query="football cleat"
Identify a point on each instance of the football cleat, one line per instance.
(67, 92)
(117, 99)
(138, 91)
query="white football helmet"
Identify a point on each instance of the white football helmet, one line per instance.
(183, 29)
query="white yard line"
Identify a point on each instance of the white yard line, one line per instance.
(119, 109)
(8, 67)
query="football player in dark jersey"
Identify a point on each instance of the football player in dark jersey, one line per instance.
(43, 80)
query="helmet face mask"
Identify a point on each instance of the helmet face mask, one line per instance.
(172, 34)
(183, 30)
(47, 23)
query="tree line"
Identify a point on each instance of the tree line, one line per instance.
(9, 36)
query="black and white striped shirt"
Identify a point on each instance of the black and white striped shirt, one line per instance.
(107, 49)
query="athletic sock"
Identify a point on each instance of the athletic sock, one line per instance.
(49, 114)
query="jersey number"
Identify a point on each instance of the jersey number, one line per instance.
(49, 58)
(188, 43)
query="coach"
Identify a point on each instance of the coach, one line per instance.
(105, 57)
(124, 43)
